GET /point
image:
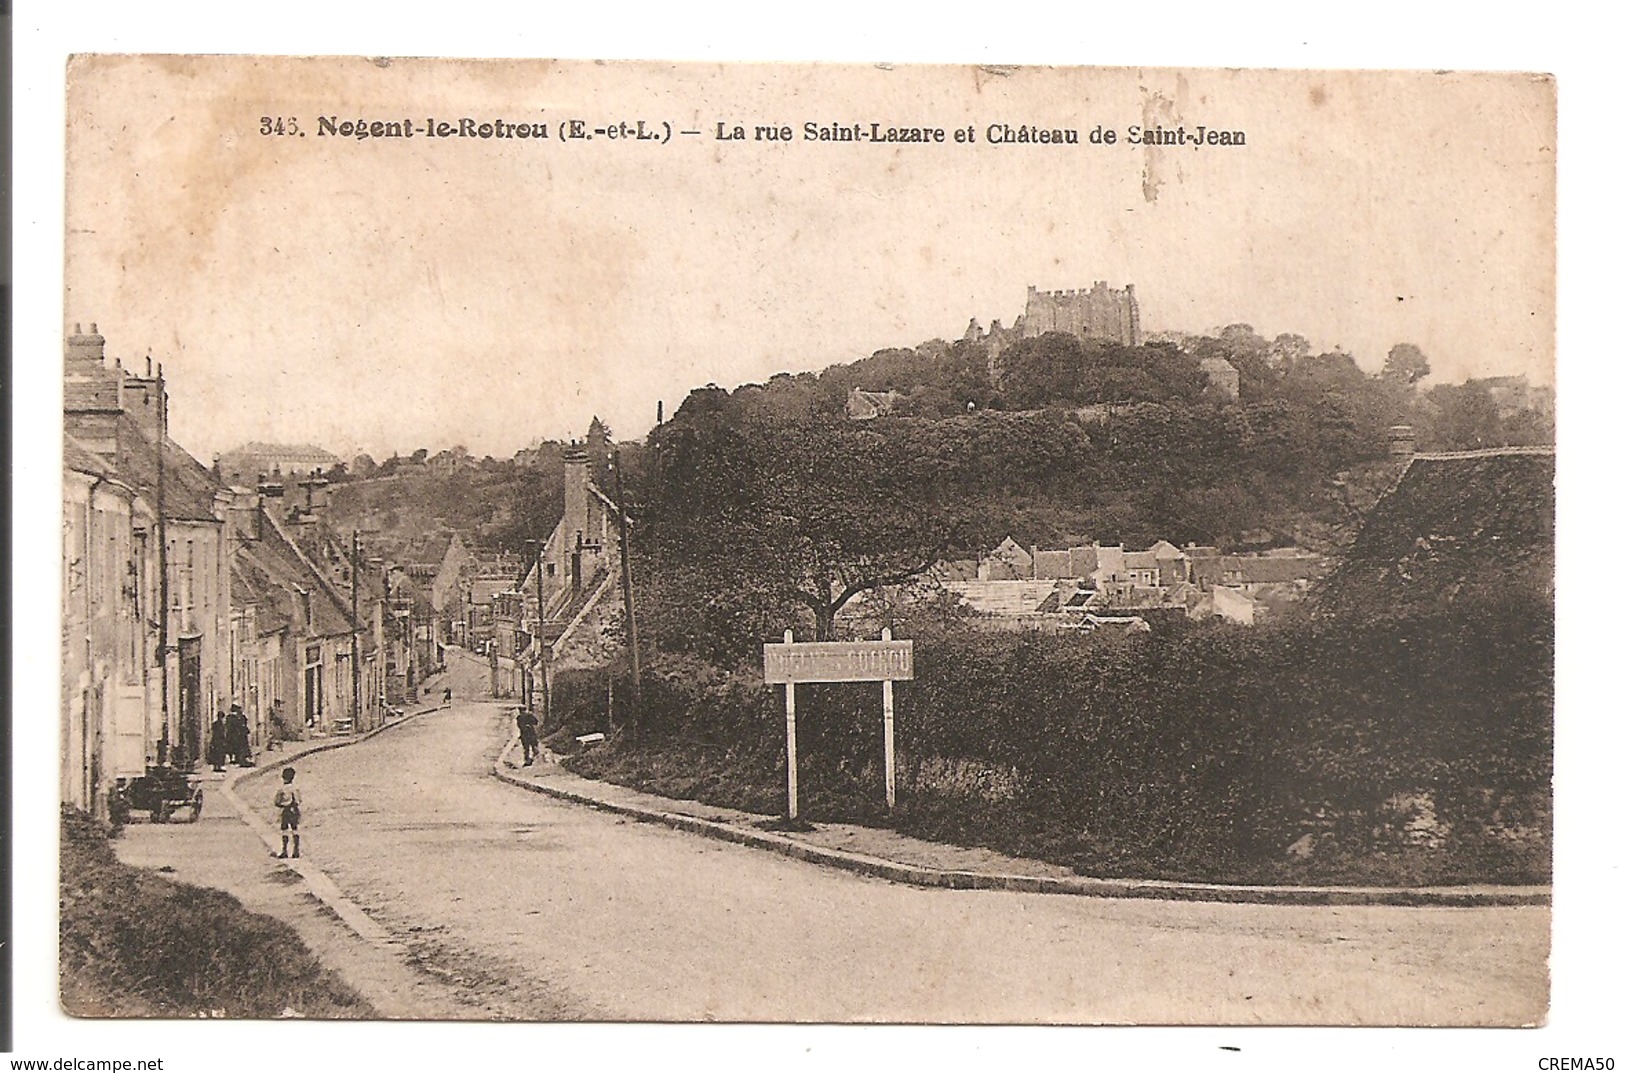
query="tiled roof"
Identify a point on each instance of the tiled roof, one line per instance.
(1009, 550)
(273, 565)
(296, 452)
(252, 584)
(1268, 569)
(189, 488)
(1076, 562)
(483, 589)
(955, 570)
(1051, 564)
(430, 549)
(1478, 523)
(76, 456)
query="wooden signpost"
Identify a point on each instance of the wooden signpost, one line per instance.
(884, 661)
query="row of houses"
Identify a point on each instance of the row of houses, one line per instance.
(495, 603)
(185, 594)
(1013, 581)
(559, 609)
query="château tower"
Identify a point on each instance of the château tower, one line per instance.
(1098, 313)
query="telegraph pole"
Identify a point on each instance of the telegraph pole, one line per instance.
(355, 631)
(544, 654)
(528, 674)
(626, 595)
(163, 573)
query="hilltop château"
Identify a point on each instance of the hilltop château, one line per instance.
(1101, 312)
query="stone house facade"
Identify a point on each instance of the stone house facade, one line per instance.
(110, 726)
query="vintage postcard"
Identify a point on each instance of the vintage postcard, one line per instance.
(559, 541)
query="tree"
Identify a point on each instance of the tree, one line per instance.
(1406, 364)
(1466, 418)
(598, 449)
(1044, 370)
(362, 465)
(1240, 338)
(790, 513)
(1287, 349)
(837, 523)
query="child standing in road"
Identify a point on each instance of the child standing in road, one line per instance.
(287, 801)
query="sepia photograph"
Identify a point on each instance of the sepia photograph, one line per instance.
(824, 544)
(464, 459)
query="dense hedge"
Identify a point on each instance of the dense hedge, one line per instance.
(1227, 745)
(1207, 749)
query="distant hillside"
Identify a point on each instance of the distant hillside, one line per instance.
(498, 504)
(1282, 382)
(1480, 525)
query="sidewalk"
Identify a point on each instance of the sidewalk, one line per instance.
(889, 855)
(213, 852)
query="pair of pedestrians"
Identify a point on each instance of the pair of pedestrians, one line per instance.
(228, 740)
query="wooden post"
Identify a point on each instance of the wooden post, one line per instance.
(790, 731)
(543, 651)
(891, 756)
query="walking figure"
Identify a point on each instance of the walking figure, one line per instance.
(448, 694)
(217, 742)
(237, 737)
(280, 730)
(287, 800)
(527, 735)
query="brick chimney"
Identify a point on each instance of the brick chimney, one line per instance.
(243, 512)
(315, 489)
(577, 474)
(85, 350)
(1401, 442)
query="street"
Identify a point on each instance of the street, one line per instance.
(538, 908)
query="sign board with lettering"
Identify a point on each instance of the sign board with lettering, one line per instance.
(838, 661)
(884, 661)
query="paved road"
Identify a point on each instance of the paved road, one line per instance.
(539, 909)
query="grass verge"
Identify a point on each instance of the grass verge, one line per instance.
(714, 778)
(134, 944)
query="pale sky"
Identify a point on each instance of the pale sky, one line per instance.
(389, 294)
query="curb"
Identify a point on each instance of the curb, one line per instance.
(924, 876)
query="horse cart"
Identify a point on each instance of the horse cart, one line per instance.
(163, 793)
